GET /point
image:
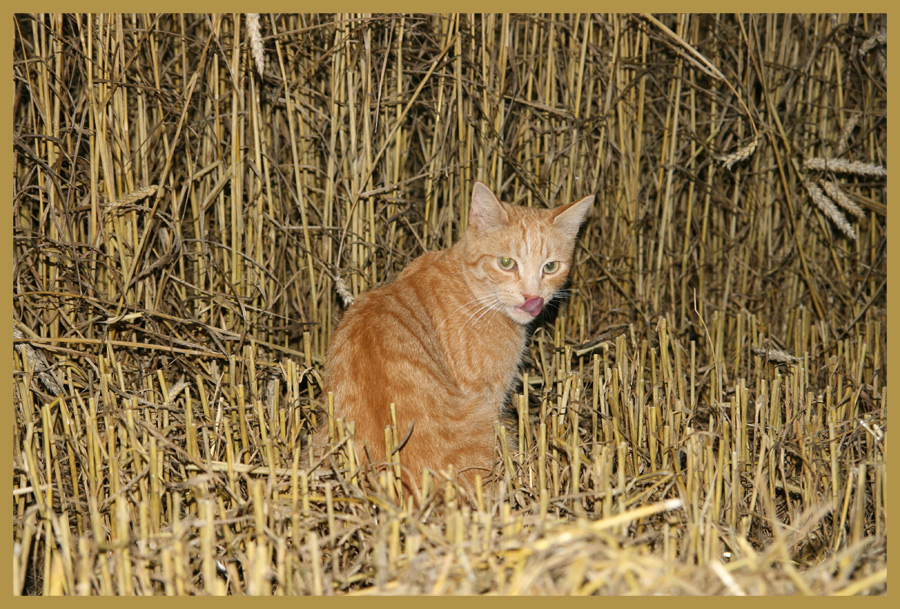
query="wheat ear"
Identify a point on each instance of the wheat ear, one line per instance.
(256, 44)
(738, 156)
(828, 208)
(344, 292)
(837, 195)
(844, 166)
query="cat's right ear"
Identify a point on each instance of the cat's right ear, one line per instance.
(568, 218)
(487, 213)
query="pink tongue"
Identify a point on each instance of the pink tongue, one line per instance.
(533, 305)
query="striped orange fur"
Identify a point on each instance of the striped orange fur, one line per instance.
(444, 340)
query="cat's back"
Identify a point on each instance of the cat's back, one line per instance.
(384, 350)
(376, 312)
(387, 327)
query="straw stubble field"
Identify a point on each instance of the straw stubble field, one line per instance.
(704, 414)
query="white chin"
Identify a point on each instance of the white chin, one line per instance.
(518, 316)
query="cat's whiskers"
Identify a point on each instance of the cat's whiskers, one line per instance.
(560, 293)
(474, 301)
(495, 311)
(495, 305)
(485, 306)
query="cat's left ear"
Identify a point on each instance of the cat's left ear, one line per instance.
(569, 218)
(487, 213)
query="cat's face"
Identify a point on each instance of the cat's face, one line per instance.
(519, 257)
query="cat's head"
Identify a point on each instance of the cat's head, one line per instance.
(519, 257)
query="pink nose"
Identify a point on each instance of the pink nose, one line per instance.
(532, 305)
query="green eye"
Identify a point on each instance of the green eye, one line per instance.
(551, 267)
(507, 263)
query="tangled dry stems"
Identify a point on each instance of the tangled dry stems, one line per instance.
(705, 415)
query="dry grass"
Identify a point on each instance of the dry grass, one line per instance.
(706, 415)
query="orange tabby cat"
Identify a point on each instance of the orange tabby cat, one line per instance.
(444, 340)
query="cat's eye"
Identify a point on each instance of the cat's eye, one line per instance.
(551, 267)
(507, 263)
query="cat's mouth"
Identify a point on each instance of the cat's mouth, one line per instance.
(532, 306)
